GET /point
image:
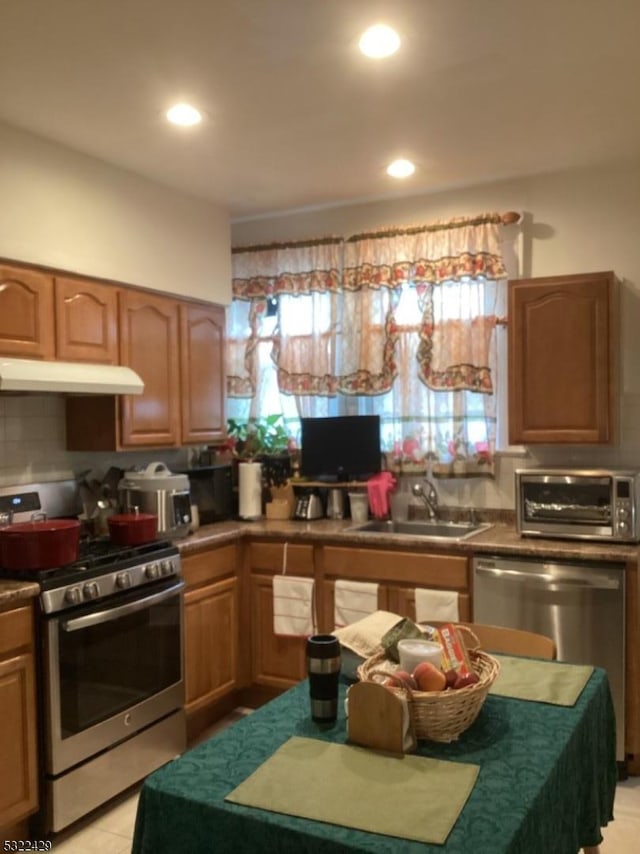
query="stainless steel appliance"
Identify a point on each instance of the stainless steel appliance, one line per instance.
(211, 489)
(110, 670)
(580, 604)
(585, 504)
(308, 506)
(157, 490)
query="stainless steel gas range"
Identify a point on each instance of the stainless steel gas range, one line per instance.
(110, 674)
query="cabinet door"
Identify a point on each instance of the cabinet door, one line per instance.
(402, 600)
(211, 642)
(562, 359)
(86, 321)
(202, 375)
(278, 662)
(18, 781)
(26, 314)
(149, 345)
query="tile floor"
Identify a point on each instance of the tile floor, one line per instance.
(109, 830)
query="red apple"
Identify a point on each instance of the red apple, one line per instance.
(400, 678)
(465, 679)
(429, 677)
(451, 676)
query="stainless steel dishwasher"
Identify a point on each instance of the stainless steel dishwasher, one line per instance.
(581, 605)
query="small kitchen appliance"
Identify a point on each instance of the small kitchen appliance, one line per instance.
(578, 504)
(160, 492)
(308, 507)
(211, 489)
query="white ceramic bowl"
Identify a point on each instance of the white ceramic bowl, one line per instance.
(414, 650)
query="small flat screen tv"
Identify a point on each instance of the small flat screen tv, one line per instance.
(342, 448)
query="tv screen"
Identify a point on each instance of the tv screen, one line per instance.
(346, 447)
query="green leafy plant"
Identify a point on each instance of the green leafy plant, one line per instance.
(258, 436)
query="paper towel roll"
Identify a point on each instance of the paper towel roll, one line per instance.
(250, 490)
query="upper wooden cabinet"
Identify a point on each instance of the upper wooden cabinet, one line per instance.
(26, 313)
(86, 321)
(149, 345)
(202, 372)
(563, 359)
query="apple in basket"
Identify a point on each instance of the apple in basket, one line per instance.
(429, 677)
(400, 679)
(464, 679)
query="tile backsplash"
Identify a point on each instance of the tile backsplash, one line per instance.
(32, 449)
(33, 444)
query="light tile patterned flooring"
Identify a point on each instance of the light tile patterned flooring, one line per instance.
(109, 830)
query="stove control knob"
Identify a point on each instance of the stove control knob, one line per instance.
(152, 570)
(123, 580)
(91, 590)
(167, 567)
(73, 595)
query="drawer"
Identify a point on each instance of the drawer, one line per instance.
(208, 565)
(16, 629)
(268, 557)
(423, 570)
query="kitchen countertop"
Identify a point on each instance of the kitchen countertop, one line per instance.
(500, 539)
(14, 592)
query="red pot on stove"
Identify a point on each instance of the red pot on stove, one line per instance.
(39, 545)
(132, 529)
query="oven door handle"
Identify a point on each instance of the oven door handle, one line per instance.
(109, 614)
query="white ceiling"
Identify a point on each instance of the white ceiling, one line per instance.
(297, 117)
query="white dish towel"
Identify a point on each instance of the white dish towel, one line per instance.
(353, 601)
(293, 608)
(436, 605)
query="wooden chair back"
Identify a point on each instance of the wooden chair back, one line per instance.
(510, 641)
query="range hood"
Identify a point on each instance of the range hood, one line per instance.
(70, 377)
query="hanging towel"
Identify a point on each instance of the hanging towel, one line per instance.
(353, 601)
(436, 605)
(293, 611)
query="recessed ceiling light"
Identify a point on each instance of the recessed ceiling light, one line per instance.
(379, 41)
(184, 114)
(401, 169)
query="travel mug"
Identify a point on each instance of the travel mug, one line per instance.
(323, 669)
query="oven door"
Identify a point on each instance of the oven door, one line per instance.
(110, 671)
(573, 506)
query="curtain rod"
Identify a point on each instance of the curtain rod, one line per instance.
(508, 218)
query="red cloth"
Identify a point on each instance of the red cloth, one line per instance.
(378, 488)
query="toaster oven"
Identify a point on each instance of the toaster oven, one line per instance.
(578, 504)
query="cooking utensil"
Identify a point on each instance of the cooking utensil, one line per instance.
(39, 544)
(132, 529)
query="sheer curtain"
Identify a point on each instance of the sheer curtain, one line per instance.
(281, 330)
(443, 282)
(397, 322)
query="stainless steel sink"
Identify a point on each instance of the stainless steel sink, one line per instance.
(435, 530)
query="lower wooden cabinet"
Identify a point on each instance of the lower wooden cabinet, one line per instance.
(277, 662)
(211, 632)
(18, 757)
(211, 643)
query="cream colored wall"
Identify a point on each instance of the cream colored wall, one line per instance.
(65, 210)
(573, 222)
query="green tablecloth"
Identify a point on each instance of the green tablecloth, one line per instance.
(547, 783)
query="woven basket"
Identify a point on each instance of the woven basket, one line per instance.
(440, 715)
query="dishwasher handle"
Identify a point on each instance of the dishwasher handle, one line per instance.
(544, 579)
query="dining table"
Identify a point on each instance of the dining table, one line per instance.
(546, 783)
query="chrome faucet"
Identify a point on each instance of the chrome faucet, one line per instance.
(430, 497)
